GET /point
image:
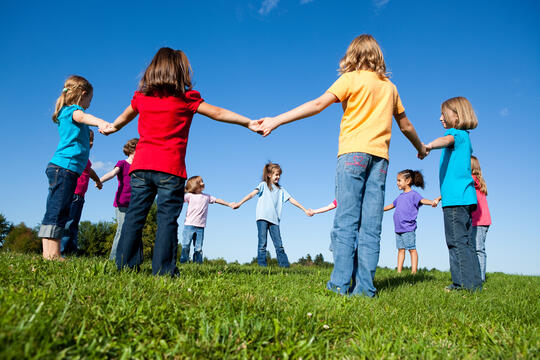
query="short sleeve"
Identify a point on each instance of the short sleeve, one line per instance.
(398, 106)
(193, 100)
(285, 194)
(88, 166)
(120, 165)
(134, 101)
(394, 202)
(417, 199)
(341, 88)
(187, 197)
(457, 134)
(260, 188)
(334, 202)
(211, 199)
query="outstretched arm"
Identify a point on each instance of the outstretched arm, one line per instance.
(223, 202)
(323, 209)
(409, 131)
(441, 142)
(121, 121)
(96, 179)
(305, 110)
(389, 207)
(246, 198)
(108, 176)
(427, 202)
(84, 118)
(298, 205)
(224, 115)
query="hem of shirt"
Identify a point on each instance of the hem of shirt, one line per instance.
(455, 204)
(270, 221)
(373, 153)
(76, 171)
(473, 224)
(196, 225)
(182, 175)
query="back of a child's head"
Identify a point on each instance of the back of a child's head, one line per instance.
(477, 171)
(130, 146)
(364, 53)
(193, 184)
(74, 90)
(169, 74)
(416, 177)
(268, 170)
(466, 118)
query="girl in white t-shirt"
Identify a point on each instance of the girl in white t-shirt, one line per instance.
(272, 196)
(195, 223)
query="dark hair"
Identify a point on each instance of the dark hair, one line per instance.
(417, 179)
(130, 146)
(169, 74)
(269, 168)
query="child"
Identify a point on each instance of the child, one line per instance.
(369, 101)
(69, 160)
(197, 212)
(457, 192)
(481, 219)
(407, 204)
(165, 103)
(123, 193)
(272, 196)
(69, 243)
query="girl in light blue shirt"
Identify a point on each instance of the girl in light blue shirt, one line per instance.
(272, 196)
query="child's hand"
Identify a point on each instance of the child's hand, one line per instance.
(310, 212)
(435, 202)
(109, 129)
(425, 151)
(267, 124)
(99, 184)
(235, 205)
(255, 126)
(102, 126)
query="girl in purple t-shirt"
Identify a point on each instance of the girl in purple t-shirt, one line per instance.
(407, 205)
(123, 193)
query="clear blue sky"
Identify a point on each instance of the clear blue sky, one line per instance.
(260, 58)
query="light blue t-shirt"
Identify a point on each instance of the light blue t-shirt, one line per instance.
(270, 202)
(457, 185)
(74, 145)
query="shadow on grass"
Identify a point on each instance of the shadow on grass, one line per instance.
(391, 282)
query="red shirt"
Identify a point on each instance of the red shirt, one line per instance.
(164, 124)
(481, 216)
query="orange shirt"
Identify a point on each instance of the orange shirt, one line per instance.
(369, 104)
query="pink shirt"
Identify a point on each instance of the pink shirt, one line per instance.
(480, 216)
(197, 208)
(82, 181)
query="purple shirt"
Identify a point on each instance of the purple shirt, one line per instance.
(123, 193)
(407, 204)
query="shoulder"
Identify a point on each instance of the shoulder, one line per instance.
(70, 109)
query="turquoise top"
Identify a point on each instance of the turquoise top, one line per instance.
(457, 185)
(74, 147)
(270, 202)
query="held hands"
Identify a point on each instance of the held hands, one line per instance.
(267, 124)
(99, 184)
(234, 205)
(425, 151)
(310, 212)
(435, 202)
(109, 129)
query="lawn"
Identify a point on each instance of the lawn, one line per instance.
(84, 308)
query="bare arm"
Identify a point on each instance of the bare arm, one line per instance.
(108, 176)
(409, 131)
(223, 202)
(436, 201)
(305, 110)
(389, 207)
(224, 115)
(246, 198)
(426, 202)
(96, 179)
(323, 209)
(121, 121)
(84, 118)
(298, 205)
(441, 142)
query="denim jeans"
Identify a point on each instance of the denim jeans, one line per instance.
(464, 266)
(69, 243)
(263, 227)
(145, 185)
(193, 234)
(406, 240)
(62, 184)
(120, 217)
(479, 234)
(356, 234)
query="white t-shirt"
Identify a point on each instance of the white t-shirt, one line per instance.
(270, 202)
(197, 209)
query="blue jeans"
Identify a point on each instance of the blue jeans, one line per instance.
(62, 184)
(120, 217)
(263, 227)
(464, 266)
(193, 234)
(479, 234)
(406, 240)
(69, 243)
(356, 234)
(145, 185)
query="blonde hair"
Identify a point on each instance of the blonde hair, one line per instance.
(463, 109)
(364, 53)
(477, 171)
(268, 170)
(130, 146)
(193, 184)
(75, 88)
(169, 74)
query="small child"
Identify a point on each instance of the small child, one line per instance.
(195, 223)
(407, 205)
(123, 193)
(457, 192)
(481, 218)
(69, 160)
(69, 243)
(272, 196)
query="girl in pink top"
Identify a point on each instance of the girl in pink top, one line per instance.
(123, 193)
(195, 223)
(481, 219)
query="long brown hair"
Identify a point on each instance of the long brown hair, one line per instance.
(169, 74)
(268, 170)
(364, 53)
(477, 171)
(130, 146)
(467, 119)
(417, 179)
(193, 184)
(75, 88)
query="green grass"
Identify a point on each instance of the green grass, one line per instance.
(84, 308)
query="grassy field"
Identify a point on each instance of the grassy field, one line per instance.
(84, 308)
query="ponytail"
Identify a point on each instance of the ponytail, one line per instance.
(417, 179)
(268, 169)
(75, 88)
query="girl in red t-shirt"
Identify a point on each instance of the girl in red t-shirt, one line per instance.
(165, 103)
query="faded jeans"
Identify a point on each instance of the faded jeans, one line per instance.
(120, 217)
(479, 234)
